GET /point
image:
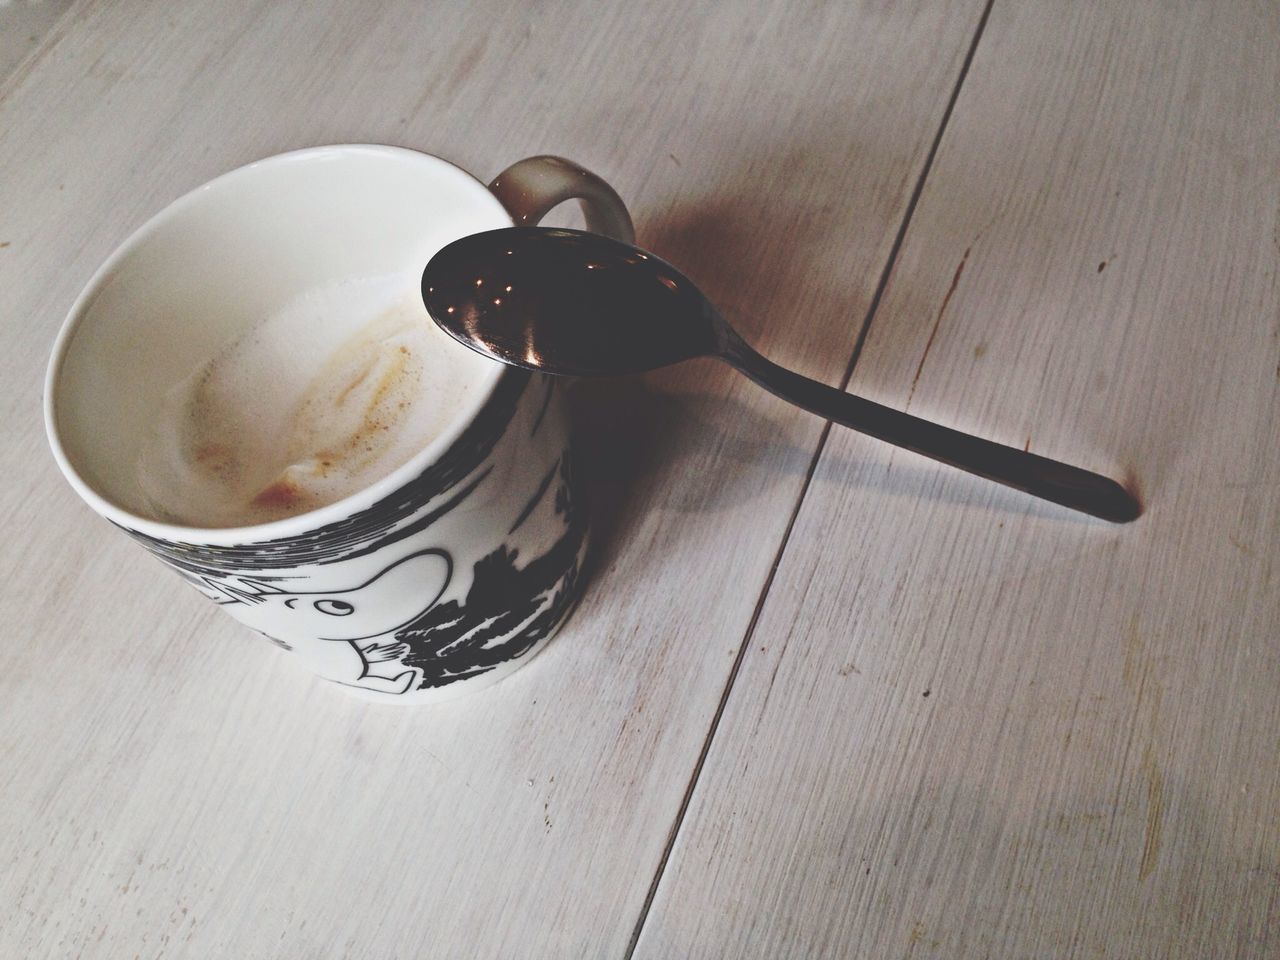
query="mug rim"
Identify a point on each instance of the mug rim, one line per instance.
(301, 522)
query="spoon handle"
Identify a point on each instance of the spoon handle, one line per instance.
(1039, 476)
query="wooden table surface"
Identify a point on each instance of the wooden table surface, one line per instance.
(822, 698)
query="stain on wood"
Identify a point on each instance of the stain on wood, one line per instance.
(937, 322)
(1155, 815)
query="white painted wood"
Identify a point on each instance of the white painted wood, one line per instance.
(170, 785)
(25, 25)
(972, 726)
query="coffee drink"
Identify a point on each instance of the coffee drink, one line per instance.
(324, 397)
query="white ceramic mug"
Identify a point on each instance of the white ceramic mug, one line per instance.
(443, 576)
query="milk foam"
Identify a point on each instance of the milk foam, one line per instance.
(336, 390)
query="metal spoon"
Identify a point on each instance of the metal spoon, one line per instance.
(576, 303)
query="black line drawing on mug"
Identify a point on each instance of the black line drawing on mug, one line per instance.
(511, 604)
(516, 592)
(343, 621)
(546, 402)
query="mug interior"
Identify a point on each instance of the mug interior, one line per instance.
(222, 258)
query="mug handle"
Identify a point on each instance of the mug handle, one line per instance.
(529, 188)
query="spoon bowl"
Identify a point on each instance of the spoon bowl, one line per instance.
(566, 302)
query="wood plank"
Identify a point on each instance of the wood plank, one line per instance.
(973, 726)
(172, 788)
(25, 27)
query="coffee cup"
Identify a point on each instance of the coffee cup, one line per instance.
(251, 389)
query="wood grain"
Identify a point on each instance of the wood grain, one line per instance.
(170, 786)
(25, 28)
(970, 725)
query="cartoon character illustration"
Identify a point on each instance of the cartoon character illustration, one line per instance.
(349, 634)
(512, 604)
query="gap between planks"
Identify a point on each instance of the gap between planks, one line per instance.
(861, 339)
